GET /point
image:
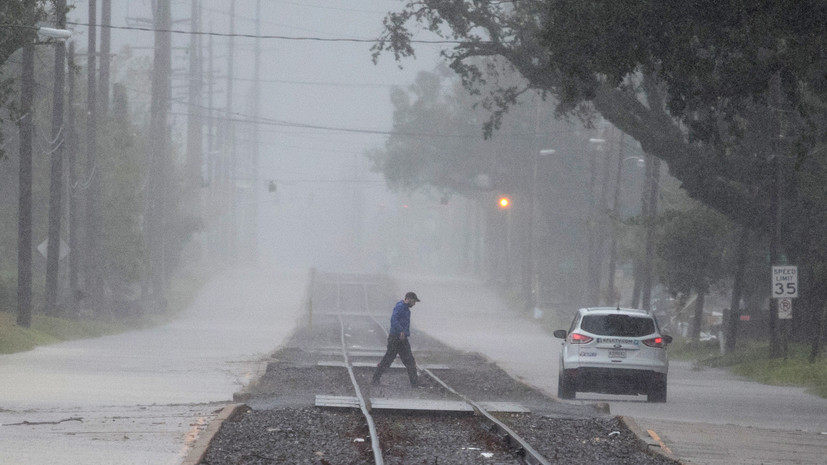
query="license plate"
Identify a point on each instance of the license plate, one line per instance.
(617, 354)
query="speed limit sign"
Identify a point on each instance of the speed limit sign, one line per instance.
(784, 282)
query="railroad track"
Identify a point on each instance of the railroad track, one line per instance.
(354, 309)
(315, 403)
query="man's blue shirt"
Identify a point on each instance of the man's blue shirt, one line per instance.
(401, 319)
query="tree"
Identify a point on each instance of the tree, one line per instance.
(690, 247)
(17, 30)
(690, 85)
(437, 143)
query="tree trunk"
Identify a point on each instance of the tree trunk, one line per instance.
(699, 316)
(734, 314)
(815, 350)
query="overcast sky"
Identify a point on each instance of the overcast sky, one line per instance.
(318, 83)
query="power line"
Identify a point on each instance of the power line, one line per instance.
(319, 83)
(238, 117)
(255, 36)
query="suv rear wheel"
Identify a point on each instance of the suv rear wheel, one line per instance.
(657, 391)
(565, 386)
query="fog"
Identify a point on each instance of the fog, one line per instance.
(322, 104)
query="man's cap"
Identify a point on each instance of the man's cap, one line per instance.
(412, 295)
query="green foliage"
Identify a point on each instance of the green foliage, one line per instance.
(710, 55)
(686, 349)
(16, 30)
(690, 247)
(15, 338)
(729, 94)
(753, 362)
(452, 157)
(8, 293)
(48, 330)
(122, 169)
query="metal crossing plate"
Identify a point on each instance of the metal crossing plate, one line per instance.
(336, 363)
(355, 353)
(337, 401)
(418, 404)
(335, 313)
(504, 407)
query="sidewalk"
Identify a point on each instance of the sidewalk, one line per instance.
(142, 397)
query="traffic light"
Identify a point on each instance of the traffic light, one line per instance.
(504, 202)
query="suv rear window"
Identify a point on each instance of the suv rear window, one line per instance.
(618, 325)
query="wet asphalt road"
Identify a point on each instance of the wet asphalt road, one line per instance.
(142, 397)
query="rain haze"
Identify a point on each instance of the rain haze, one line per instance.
(322, 105)
(275, 155)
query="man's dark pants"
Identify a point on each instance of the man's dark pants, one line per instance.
(401, 347)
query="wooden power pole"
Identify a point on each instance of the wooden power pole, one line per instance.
(56, 172)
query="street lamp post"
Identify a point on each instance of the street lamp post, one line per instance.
(593, 263)
(616, 212)
(532, 255)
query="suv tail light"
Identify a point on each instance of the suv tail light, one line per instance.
(656, 342)
(577, 338)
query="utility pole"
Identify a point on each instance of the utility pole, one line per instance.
(594, 227)
(92, 252)
(776, 247)
(24, 218)
(253, 228)
(229, 145)
(194, 196)
(602, 225)
(210, 119)
(71, 148)
(194, 121)
(158, 162)
(215, 212)
(616, 209)
(56, 174)
(106, 34)
(649, 248)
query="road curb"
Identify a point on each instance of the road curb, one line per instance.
(645, 441)
(202, 443)
(246, 392)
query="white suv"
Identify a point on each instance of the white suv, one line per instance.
(613, 351)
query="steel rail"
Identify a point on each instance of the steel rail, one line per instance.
(531, 455)
(374, 436)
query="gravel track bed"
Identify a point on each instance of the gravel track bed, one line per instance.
(281, 425)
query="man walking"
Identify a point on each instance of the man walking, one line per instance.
(398, 335)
